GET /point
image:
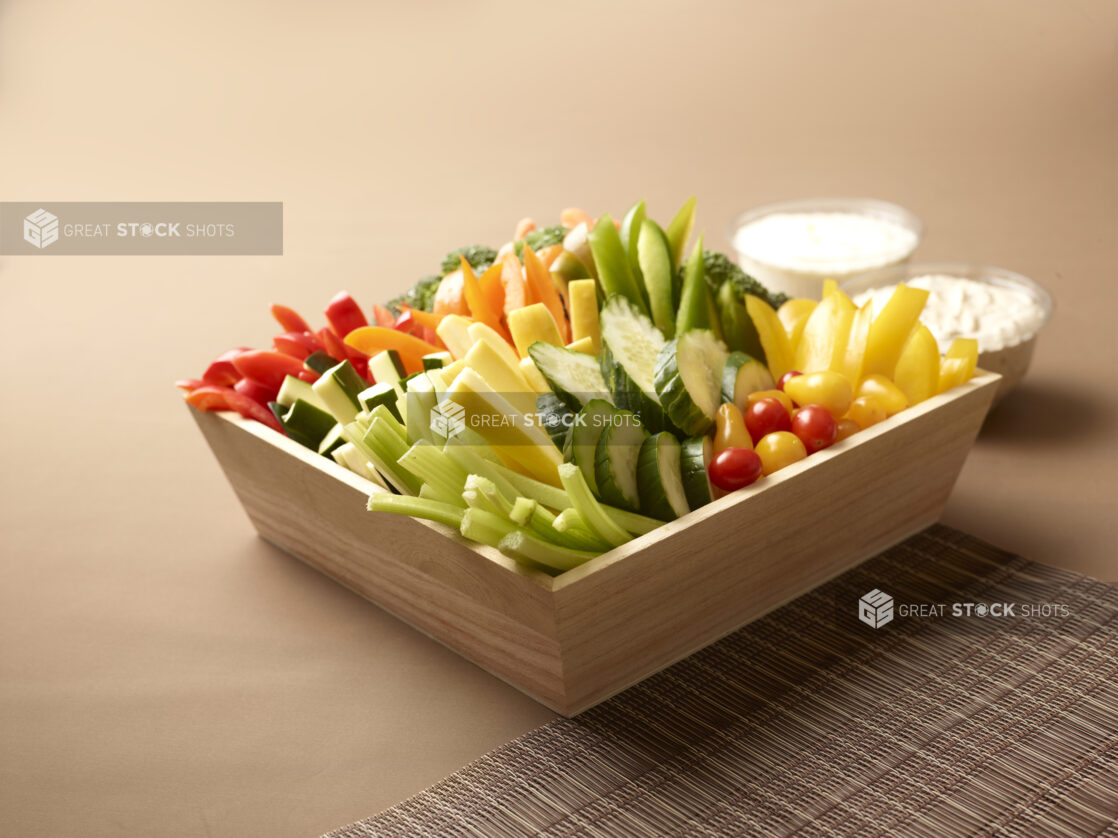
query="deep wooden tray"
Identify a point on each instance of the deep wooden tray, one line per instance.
(574, 640)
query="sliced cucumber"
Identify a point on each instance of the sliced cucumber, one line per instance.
(387, 367)
(689, 380)
(615, 461)
(658, 478)
(307, 424)
(737, 326)
(383, 393)
(694, 458)
(585, 433)
(742, 375)
(655, 259)
(574, 377)
(338, 388)
(332, 441)
(436, 360)
(295, 388)
(555, 417)
(318, 362)
(631, 345)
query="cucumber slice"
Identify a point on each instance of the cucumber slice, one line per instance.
(436, 360)
(695, 304)
(574, 377)
(655, 259)
(742, 375)
(319, 362)
(332, 441)
(659, 480)
(387, 367)
(307, 424)
(555, 417)
(295, 388)
(585, 433)
(737, 326)
(380, 393)
(338, 388)
(631, 345)
(689, 380)
(694, 457)
(615, 461)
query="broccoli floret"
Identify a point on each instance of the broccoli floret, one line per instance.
(421, 295)
(478, 255)
(718, 268)
(541, 238)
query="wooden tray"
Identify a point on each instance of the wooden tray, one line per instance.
(574, 640)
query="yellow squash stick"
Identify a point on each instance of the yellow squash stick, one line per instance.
(583, 295)
(530, 324)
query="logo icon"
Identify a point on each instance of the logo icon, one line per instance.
(875, 609)
(448, 419)
(40, 228)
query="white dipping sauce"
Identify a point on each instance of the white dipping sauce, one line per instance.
(825, 243)
(998, 317)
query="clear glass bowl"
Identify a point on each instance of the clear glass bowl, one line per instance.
(1011, 362)
(808, 281)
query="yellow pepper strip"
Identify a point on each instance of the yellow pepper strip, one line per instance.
(853, 357)
(825, 334)
(774, 340)
(891, 328)
(917, 372)
(884, 391)
(793, 316)
(958, 365)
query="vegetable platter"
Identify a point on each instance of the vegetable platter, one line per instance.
(583, 455)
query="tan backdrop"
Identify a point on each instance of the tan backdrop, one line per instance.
(162, 671)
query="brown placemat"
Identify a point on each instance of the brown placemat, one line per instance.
(811, 722)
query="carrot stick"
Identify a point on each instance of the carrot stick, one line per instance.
(491, 287)
(479, 306)
(539, 280)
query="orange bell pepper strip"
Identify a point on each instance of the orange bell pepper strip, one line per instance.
(517, 293)
(480, 309)
(425, 319)
(573, 216)
(549, 254)
(539, 280)
(523, 227)
(374, 339)
(493, 288)
(450, 297)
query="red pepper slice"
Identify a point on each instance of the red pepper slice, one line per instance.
(289, 319)
(222, 372)
(309, 376)
(269, 368)
(226, 398)
(344, 315)
(405, 322)
(259, 393)
(297, 344)
(383, 316)
(189, 384)
(332, 345)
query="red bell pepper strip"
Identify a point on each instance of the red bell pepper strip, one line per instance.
(344, 315)
(226, 398)
(222, 372)
(289, 319)
(332, 345)
(269, 368)
(383, 316)
(259, 393)
(406, 322)
(189, 384)
(297, 344)
(309, 376)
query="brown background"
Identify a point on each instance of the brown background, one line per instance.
(164, 672)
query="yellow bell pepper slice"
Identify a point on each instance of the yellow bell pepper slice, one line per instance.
(774, 340)
(854, 356)
(825, 334)
(793, 316)
(830, 286)
(958, 365)
(917, 372)
(891, 328)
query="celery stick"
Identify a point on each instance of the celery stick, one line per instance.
(384, 413)
(571, 525)
(529, 487)
(499, 503)
(478, 500)
(522, 509)
(432, 510)
(631, 521)
(427, 462)
(574, 481)
(485, 527)
(382, 446)
(523, 545)
(469, 460)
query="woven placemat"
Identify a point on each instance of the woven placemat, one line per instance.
(812, 722)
